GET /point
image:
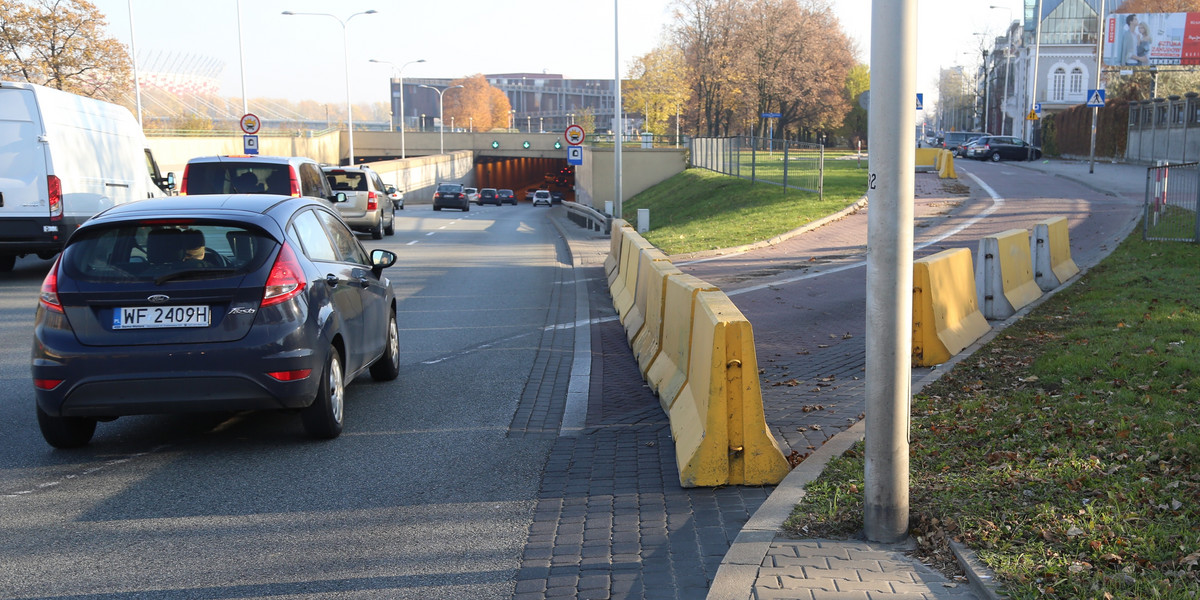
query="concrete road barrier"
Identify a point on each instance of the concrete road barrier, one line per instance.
(649, 278)
(1051, 249)
(946, 166)
(927, 159)
(1004, 274)
(626, 283)
(667, 373)
(946, 315)
(613, 262)
(647, 342)
(717, 420)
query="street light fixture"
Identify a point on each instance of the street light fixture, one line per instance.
(346, 59)
(400, 78)
(441, 115)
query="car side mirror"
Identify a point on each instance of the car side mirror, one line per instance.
(171, 180)
(381, 259)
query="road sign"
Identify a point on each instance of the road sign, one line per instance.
(1096, 98)
(250, 123)
(1037, 108)
(250, 144)
(575, 135)
(920, 101)
(1032, 116)
(772, 115)
(575, 155)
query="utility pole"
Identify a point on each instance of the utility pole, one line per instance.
(889, 268)
(1099, 67)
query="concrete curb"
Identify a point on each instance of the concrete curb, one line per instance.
(705, 254)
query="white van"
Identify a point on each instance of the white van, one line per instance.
(64, 158)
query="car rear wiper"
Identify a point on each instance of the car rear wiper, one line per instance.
(161, 279)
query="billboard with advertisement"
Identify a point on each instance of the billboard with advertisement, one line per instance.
(1146, 39)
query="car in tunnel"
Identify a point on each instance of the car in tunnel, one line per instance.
(451, 195)
(507, 197)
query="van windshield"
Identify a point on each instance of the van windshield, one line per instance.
(238, 178)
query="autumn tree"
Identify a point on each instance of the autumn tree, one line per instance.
(1157, 6)
(706, 32)
(854, 125)
(478, 103)
(586, 119)
(62, 44)
(656, 87)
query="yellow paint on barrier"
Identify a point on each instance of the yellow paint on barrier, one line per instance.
(946, 170)
(946, 315)
(648, 278)
(1016, 268)
(626, 284)
(1051, 250)
(667, 373)
(717, 422)
(647, 342)
(926, 159)
(611, 264)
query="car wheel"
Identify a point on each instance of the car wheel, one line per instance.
(387, 367)
(436, 207)
(467, 208)
(377, 230)
(391, 226)
(995, 157)
(323, 418)
(66, 432)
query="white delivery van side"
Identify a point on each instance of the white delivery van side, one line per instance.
(64, 158)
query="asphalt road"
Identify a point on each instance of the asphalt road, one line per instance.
(423, 496)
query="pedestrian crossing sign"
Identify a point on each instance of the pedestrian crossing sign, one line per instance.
(1096, 98)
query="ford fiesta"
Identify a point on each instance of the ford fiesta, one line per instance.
(210, 303)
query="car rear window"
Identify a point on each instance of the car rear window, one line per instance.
(347, 181)
(146, 251)
(238, 178)
(449, 187)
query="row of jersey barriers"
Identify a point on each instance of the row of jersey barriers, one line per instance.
(695, 349)
(954, 297)
(936, 159)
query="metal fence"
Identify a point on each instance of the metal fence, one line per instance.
(794, 165)
(1172, 193)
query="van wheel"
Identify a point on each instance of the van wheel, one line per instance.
(7, 262)
(323, 418)
(387, 367)
(391, 226)
(66, 432)
(995, 157)
(436, 207)
(377, 230)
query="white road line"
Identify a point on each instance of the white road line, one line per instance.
(411, 243)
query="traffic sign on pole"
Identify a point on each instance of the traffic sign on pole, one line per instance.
(575, 155)
(250, 144)
(1096, 98)
(250, 123)
(575, 135)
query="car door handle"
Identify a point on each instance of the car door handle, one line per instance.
(364, 282)
(332, 280)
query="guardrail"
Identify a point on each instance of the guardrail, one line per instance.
(588, 217)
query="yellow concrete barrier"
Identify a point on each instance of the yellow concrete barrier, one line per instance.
(946, 166)
(1004, 274)
(648, 278)
(647, 342)
(1051, 249)
(626, 283)
(946, 315)
(667, 373)
(927, 159)
(720, 432)
(611, 264)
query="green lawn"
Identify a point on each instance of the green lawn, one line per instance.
(702, 210)
(1064, 452)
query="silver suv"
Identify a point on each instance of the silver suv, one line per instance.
(367, 206)
(253, 174)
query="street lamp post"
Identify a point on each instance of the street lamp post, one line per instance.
(346, 59)
(441, 115)
(400, 78)
(1007, 68)
(541, 125)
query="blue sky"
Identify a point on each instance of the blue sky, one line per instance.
(300, 57)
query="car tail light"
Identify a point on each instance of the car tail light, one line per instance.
(296, 375)
(54, 190)
(372, 201)
(46, 384)
(286, 278)
(183, 182)
(49, 294)
(295, 181)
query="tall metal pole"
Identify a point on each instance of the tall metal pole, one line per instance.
(441, 115)
(617, 121)
(137, 86)
(400, 78)
(1099, 67)
(889, 268)
(1037, 51)
(242, 60)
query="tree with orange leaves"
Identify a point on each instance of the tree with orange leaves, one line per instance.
(478, 105)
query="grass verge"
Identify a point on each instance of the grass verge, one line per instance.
(701, 210)
(1065, 451)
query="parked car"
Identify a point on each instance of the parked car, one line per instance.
(367, 207)
(255, 174)
(65, 158)
(451, 195)
(472, 194)
(210, 303)
(1002, 147)
(488, 196)
(395, 195)
(506, 197)
(954, 139)
(542, 197)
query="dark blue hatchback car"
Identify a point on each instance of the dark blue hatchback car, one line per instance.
(210, 303)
